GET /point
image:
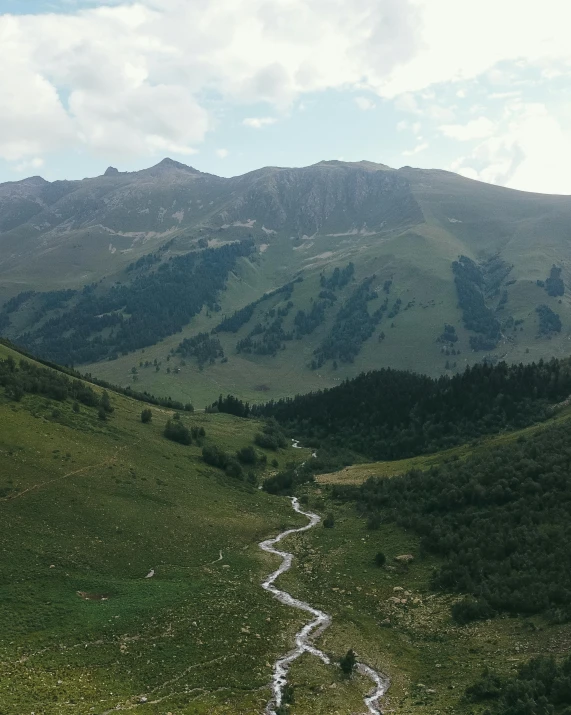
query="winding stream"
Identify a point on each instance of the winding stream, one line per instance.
(304, 639)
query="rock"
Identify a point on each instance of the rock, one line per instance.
(404, 558)
(398, 588)
(111, 171)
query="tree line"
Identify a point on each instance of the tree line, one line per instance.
(541, 686)
(391, 414)
(499, 522)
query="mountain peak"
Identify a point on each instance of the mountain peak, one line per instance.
(169, 166)
(168, 163)
(363, 164)
(111, 171)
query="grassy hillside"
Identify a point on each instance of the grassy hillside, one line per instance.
(91, 507)
(406, 226)
(88, 509)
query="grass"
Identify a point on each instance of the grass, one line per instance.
(91, 507)
(418, 262)
(527, 231)
(88, 508)
(429, 659)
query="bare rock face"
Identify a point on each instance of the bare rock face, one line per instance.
(326, 197)
(111, 171)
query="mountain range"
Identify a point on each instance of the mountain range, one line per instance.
(281, 280)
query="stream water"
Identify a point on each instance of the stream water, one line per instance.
(304, 639)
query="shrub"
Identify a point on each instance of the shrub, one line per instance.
(177, 432)
(247, 455)
(329, 521)
(105, 402)
(146, 416)
(233, 469)
(374, 521)
(471, 609)
(215, 456)
(348, 662)
(380, 559)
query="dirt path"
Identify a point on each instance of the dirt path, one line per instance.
(106, 463)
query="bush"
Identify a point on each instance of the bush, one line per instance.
(146, 416)
(348, 662)
(266, 441)
(198, 433)
(215, 456)
(471, 609)
(380, 559)
(247, 455)
(177, 432)
(329, 521)
(271, 437)
(233, 469)
(105, 402)
(374, 521)
(102, 414)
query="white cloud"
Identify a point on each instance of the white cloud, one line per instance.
(417, 149)
(258, 122)
(222, 153)
(131, 77)
(30, 165)
(364, 103)
(136, 77)
(402, 125)
(531, 152)
(474, 129)
(461, 41)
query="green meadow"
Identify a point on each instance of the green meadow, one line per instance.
(91, 508)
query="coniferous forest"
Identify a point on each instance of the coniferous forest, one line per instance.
(499, 521)
(157, 303)
(392, 414)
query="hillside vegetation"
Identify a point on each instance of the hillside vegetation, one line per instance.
(391, 414)
(130, 572)
(420, 270)
(92, 501)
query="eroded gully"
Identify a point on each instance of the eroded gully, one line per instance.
(304, 639)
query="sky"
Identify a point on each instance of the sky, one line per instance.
(482, 88)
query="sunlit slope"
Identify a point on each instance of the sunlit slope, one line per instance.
(88, 510)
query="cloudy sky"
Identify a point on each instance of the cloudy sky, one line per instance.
(482, 88)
